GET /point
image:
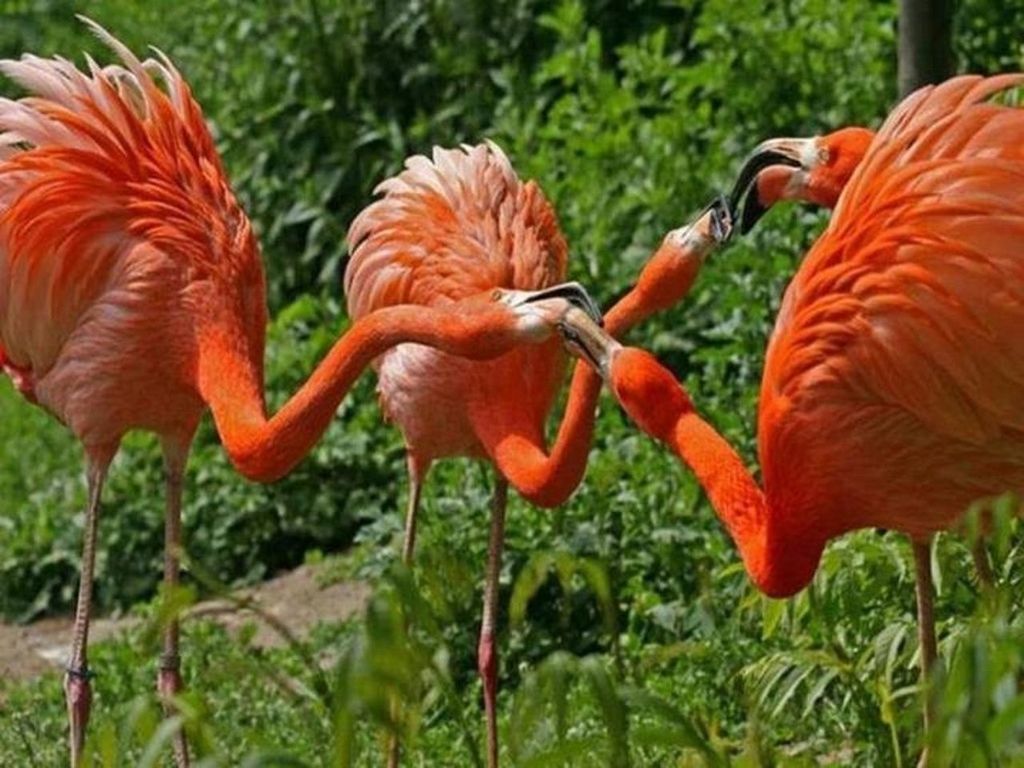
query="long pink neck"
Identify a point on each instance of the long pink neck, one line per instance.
(779, 564)
(738, 501)
(548, 477)
(265, 449)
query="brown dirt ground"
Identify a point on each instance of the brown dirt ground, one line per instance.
(295, 598)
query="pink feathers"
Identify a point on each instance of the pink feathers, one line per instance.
(449, 228)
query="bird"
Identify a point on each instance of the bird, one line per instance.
(133, 297)
(816, 170)
(894, 375)
(454, 224)
(810, 170)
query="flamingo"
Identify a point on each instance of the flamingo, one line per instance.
(454, 225)
(894, 376)
(816, 170)
(132, 296)
(811, 170)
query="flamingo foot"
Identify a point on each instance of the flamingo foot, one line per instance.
(78, 695)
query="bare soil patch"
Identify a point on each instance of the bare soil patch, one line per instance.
(295, 598)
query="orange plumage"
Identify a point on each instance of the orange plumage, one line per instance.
(455, 225)
(446, 229)
(894, 375)
(895, 371)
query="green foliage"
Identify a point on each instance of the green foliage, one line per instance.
(637, 638)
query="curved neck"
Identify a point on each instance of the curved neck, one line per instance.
(548, 477)
(779, 560)
(738, 501)
(777, 563)
(265, 449)
(665, 280)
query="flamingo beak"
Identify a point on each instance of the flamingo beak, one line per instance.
(715, 222)
(790, 153)
(586, 340)
(573, 293)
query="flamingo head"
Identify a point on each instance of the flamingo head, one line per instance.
(814, 170)
(649, 392)
(711, 228)
(539, 313)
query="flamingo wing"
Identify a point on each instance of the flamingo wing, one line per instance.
(449, 227)
(101, 171)
(912, 301)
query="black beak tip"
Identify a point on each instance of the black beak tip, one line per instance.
(576, 295)
(752, 212)
(723, 218)
(759, 159)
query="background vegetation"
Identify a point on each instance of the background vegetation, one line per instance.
(643, 643)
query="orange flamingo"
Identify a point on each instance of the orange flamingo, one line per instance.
(132, 296)
(814, 170)
(817, 169)
(894, 376)
(453, 226)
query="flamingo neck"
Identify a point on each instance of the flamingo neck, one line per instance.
(778, 561)
(265, 449)
(548, 477)
(545, 478)
(665, 280)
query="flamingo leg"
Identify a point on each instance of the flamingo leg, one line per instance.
(925, 628)
(168, 681)
(416, 476)
(487, 654)
(77, 686)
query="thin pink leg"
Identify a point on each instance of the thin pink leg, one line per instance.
(926, 631)
(77, 688)
(417, 473)
(487, 653)
(168, 681)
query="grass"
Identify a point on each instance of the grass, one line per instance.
(830, 676)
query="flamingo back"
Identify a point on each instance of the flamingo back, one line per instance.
(451, 226)
(895, 375)
(118, 230)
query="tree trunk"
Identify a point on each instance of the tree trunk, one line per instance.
(926, 43)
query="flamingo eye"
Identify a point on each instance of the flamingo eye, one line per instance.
(824, 156)
(496, 294)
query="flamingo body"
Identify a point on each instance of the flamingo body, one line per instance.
(449, 227)
(119, 237)
(893, 380)
(445, 229)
